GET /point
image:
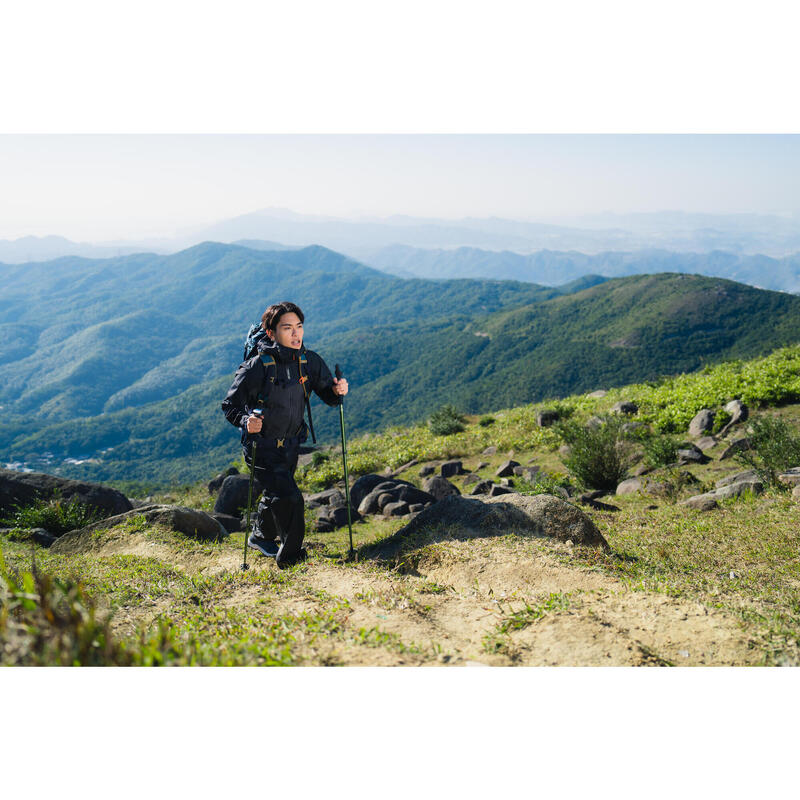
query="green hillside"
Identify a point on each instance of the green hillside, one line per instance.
(623, 331)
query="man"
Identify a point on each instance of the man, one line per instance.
(277, 380)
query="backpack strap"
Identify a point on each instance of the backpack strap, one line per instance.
(303, 362)
(271, 369)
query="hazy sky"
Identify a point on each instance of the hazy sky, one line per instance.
(95, 188)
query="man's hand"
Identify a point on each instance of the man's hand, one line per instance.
(340, 386)
(254, 424)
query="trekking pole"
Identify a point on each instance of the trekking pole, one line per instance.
(256, 413)
(351, 554)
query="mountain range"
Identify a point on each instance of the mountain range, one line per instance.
(116, 367)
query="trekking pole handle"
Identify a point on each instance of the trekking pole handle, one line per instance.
(338, 373)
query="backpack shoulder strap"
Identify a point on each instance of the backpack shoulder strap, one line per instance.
(270, 369)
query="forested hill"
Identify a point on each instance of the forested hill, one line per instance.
(478, 357)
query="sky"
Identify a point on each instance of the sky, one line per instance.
(109, 187)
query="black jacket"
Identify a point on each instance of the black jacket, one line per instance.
(285, 399)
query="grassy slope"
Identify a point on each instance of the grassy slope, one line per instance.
(730, 575)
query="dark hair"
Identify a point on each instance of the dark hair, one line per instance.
(269, 319)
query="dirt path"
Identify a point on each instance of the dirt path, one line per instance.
(482, 601)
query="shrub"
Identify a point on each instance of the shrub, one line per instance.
(446, 421)
(484, 422)
(318, 457)
(55, 516)
(600, 456)
(544, 483)
(774, 448)
(660, 450)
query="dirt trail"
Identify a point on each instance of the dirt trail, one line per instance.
(449, 612)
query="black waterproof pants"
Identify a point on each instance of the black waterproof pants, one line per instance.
(280, 509)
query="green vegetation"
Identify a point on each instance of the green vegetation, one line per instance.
(57, 516)
(446, 421)
(774, 448)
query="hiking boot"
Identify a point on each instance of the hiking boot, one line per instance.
(264, 546)
(283, 561)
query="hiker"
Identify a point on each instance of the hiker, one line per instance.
(278, 379)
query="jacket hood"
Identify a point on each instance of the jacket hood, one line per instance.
(268, 347)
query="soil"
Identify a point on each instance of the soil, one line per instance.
(448, 611)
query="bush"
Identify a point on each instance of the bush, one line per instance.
(55, 516)
(600, 456)
(446, 421)
(486, 421)
(544, 483)
(660, 450)
(318, 457)
(774, 448)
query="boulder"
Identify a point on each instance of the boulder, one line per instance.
(702, 422)
(539, 515)
(484, 487)
(747, 475)
(506, 482)
(739, 413)
(369, 505)
(428, 469)
(642, 469)
(630, 486)
(506, 468)
(796, 493)
(43, 537)
(736, 446)
(366, 483)
(546, 417)
(480, 465)
(23, 488)
(593, 423)
(415, 508)
(490, 450)
(632, 427)
(410, 494)
(384, 498)
(189, 521)
(692, 455)
(229, 522)
(498, 490)
(398, 509)
(565, 451)
(625, 407)
(439, 487)
(451, 468)
(597, 394)
(325, 498)
(472, 478)
(232, 497)
(215, 483)
(701, 502)
(706, 442)
(791, 477)
(739, 488)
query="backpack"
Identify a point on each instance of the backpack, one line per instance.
(251, 342)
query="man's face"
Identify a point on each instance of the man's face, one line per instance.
(289, 331)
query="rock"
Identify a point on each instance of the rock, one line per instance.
(506, 482)
(395, 509)
(498, 490)
(702, 422)
(472, 478)
(597, 394)
(215, 483)
(43, 537)
(642, 469)
(706, 442)
(546, 417)
(189, 521)
(587, 500)
(796, 493)
(739, 413)
(481, 465)
(657, 488)
(439, 487)
(692, 455)
(791, 477)
(701, 502)
(625, 407)
(489, 451)
(232, 497)
(739, 488)
(467, 517)
(531, 474)
(428, 469)
(565, 451)
(410, 494)
(594, 422)
(415, 508)
(23, 488)
(366, 483)
(484, 487)
(369, 505)
(736, 446)
(323, 525)
(506, 468)
(384, 498)
(747, 475)
(629, 486)
(451, 468)
(231, 523)
(338, 516)
(632, 427)
(325, 498)
(407, 465)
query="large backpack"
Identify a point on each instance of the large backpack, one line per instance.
(251, 342)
